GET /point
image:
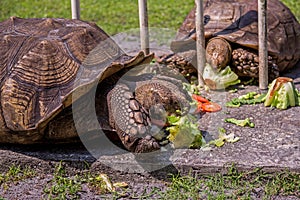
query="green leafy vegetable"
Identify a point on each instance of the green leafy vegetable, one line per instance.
(249, 98)
(282, 94)
(221, 79)
(249, 95)
(240, 122)
(233, 90)
(172, 119)
(184, 132)
(223, 137)
(191, 88)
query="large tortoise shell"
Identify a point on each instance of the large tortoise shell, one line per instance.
(43, 61)
(237, 21)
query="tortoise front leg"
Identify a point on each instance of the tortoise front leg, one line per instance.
(245, 63)
(130, 120)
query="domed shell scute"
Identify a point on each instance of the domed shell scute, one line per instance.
(40, 61)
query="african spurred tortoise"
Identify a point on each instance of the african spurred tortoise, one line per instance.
(45, 61)
(231, 32)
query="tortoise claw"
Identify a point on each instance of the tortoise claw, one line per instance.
(147, 144)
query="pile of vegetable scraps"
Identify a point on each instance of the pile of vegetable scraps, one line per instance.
(184, 130)
(282, 94)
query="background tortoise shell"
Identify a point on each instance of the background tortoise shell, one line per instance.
(42, 62)
(236, 21)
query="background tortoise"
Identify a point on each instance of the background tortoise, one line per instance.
(44, 62)
(231, 32)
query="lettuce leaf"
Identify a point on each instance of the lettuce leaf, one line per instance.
(249, 98)
(282, 94)
(240, 122)
(223, 137)
(184, 132)
(216, 80)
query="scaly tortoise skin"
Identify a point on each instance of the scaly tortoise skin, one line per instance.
(231, 32)
(44, 62)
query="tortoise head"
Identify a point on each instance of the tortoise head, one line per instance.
(162, 98)
(218, 53)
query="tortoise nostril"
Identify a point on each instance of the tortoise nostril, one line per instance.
(215, 55)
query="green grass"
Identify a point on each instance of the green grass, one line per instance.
(62, 186)
(231, 185)
(15, 174)
(113, 16)
(66, 186)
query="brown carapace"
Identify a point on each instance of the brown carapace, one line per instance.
(231, 32)
(48, 65)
